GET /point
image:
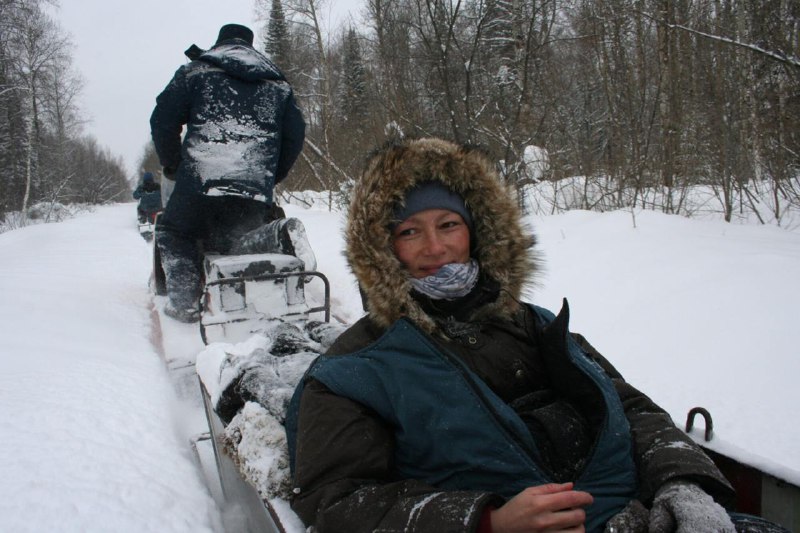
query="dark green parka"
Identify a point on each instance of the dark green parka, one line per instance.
(344, 456)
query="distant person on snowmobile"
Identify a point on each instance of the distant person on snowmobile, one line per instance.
(455, 406)
(149, 195)
(244, 132)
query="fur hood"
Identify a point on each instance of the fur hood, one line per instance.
(502, 246)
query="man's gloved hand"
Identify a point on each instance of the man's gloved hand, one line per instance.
(633, 519)
(169, 173)
(683, 507)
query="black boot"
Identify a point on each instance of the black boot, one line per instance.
(181, 314)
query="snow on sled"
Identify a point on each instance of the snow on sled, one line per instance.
(246, 390)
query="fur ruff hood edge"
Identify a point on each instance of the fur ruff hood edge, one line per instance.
(503, 245)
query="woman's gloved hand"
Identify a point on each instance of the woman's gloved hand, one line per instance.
(633, 519)
(683, 507)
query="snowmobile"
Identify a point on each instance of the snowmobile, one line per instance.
(146, 223)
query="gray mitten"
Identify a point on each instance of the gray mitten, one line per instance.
(683, 507)
(632, 519)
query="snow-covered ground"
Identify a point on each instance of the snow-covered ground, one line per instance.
(96, 432)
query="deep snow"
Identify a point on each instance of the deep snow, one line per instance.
(96, 432)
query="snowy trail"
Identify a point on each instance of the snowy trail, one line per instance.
(88, 413)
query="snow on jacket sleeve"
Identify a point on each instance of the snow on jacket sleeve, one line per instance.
(343, 476)
(167, 120)
(662, 450)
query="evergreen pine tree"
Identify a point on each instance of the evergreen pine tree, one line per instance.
(499, 40)
(354, 105)
(276, 44)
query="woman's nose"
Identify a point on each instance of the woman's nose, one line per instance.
(433, 244)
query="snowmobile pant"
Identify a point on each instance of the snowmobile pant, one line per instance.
(193, 224)
(284, 236)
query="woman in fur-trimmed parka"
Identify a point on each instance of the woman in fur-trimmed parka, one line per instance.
(452, 406)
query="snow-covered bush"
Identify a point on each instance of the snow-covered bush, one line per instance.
(756, 203)
(42, 213)
(49, 212)
(536, 162)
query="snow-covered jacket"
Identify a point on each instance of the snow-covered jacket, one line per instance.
(414, 418)
(244, 130)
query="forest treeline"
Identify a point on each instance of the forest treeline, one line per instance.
(44, 156)
(643, 99)
(632, 95)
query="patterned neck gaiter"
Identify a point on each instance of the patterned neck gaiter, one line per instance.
(450, 282)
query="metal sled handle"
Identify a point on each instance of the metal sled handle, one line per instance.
(706, 416)
(326, 306)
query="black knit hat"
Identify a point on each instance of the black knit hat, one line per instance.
(235, 31)
(432, 195)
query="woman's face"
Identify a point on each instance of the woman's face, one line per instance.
(427, 240)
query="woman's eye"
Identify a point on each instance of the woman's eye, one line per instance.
(406, 232)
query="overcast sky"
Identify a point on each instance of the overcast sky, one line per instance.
(127, 52)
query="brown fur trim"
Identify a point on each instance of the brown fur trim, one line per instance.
(503, 246)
